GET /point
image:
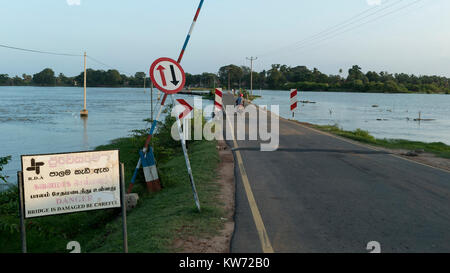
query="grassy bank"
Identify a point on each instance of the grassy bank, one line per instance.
(157, 221)
(438, 148)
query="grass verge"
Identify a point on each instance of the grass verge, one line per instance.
(437, 148)
(158, 220)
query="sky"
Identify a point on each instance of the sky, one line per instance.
(410, 36)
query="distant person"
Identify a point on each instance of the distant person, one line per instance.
(240, 102)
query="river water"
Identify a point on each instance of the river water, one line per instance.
(392, 118)
(39, 120)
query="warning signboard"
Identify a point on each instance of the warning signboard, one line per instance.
(72, 182)
(167, 75)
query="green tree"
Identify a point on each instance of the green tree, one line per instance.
(27, 79)
(355, 73)
(275, 78)
(17, 80)
(113, 77)
(230, 72)
(45, 77)
(4, 79)
(63, 80)
(372, 76)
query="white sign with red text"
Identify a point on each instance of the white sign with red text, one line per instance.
(71, 182)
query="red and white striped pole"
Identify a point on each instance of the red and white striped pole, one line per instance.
(293, 101)
(145, 149)
(218, 106)
(190, 32)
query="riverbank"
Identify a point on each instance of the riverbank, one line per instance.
(166, 221)
(434, 154)
(391, 116)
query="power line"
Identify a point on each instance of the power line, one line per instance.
(40, 51)
(358, 26)
(60, 54)
(107, 65)
(331, 30)
(328, 31)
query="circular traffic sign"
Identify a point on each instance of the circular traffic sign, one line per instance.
(167, 75)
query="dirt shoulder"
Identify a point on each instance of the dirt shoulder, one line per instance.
(221, 242)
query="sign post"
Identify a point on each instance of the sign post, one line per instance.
(23, 235)
(186, 157)
(169, 77)
(124, 208)
(163, 80)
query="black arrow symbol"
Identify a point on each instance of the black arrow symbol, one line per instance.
(174, 78)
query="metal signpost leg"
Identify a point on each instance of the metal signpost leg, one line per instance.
(23, 234)
(124, 208)
(186, 158)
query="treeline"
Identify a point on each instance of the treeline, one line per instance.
(283, 77)
(94, 78)
(278, 77)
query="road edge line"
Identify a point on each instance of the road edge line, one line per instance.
(261, 229)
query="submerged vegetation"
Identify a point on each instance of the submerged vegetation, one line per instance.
(3, 161)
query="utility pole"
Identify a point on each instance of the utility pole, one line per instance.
(84, 112)
(229, 79)
(251, 59)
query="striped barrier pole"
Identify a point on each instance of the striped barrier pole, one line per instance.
(150, 171)
(293, 101)
(180, 57)
(218, 106)
(190, 31)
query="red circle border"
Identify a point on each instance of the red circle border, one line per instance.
(152, 77)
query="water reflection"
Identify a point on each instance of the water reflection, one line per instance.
(85, 134)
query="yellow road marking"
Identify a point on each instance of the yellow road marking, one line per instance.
(263, 237)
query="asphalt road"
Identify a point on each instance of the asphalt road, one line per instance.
(319, 193)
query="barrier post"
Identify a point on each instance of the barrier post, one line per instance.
(124, 208)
